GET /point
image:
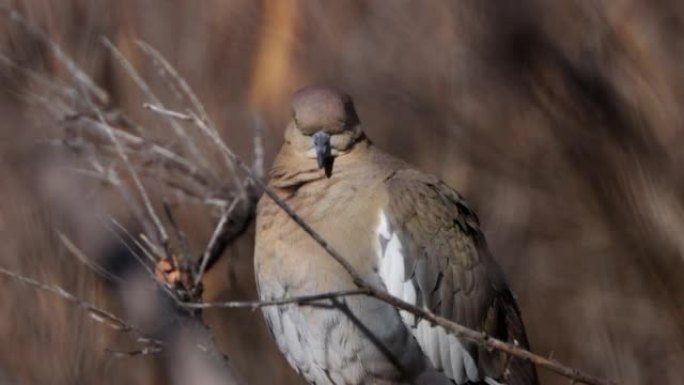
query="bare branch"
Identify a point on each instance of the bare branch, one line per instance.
(132, 141)
(218, 230)
(147, 253)
(191, 345)
(97, 313)
(184, 86)
(210, 132)
(161, 231)
(85, 260)
(145, 88)
(152, 247)
(146, 351)
(178, 232)
(300, 300)
(164, 111)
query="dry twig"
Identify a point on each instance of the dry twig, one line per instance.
(299, 300)
(109, 140)
(218, 230)
(97, 313)
(150, 95)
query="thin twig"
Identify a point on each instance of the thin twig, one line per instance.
(174, 182)
(85, 260)
(304, 299)
(211, 133)
(165, 111)
(148, 350)
(96, 313)
(99, 314)
(110, 176)
(154, 248)
(184, 86)
(145, 88)
(147, 253)
(161, 231)
(207, 130)
(135, 142)
(140, 247)
(218, 230)
(178, 232)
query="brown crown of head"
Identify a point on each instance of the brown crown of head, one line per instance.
(323, 108)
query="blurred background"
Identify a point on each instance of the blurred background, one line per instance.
(559, 121)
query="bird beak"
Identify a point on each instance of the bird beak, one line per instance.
(321, 142)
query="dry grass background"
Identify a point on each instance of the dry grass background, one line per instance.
(559, 121)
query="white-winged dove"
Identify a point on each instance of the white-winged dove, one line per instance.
(401, 230)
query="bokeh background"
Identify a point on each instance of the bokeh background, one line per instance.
(560, 122)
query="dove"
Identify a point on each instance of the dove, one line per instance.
(402, 230)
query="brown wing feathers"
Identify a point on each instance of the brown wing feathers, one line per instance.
(447, 258)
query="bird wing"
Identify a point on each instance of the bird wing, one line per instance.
(433, 255)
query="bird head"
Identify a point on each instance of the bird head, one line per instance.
(324, 125)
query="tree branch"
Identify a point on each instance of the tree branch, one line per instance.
(97, 313)
(299, 300)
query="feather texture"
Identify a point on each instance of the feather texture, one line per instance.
(428, 225)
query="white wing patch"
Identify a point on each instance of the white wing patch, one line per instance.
(445, 351)
(391, 266)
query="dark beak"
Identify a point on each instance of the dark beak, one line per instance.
(321, 142)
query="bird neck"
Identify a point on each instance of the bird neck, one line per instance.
(293, 169)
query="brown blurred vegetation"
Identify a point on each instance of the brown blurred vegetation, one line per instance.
(559, 121)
